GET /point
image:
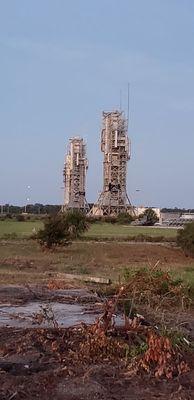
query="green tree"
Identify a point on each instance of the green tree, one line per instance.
(76, 222)
(60, 229)
(149, 217)
(185, 239)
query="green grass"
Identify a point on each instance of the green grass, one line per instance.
(188, 276)
(24, 229)
(114, 230)
(21, 229)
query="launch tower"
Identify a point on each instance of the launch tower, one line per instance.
(74, 175)
(116, 148)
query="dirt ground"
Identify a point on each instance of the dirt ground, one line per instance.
(54, 363)
(33, 367)
(46, 361)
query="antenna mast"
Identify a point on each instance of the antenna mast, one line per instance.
(128, 86)
(120, 105)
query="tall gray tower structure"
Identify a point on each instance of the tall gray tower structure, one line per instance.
(115, 146)
(74, 175)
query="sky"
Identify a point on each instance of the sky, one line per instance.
(63, 62)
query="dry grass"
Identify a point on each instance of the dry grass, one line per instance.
(24, 260)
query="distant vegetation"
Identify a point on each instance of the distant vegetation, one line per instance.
(37, 208)
(177, 210)
(121, 218)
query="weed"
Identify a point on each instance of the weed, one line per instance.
(185, 239)
(83, 270)
(136, 350)
(46, 314)
(127, 273)
(179, 339)
(8, 236)
(155, 288)
(190, 268)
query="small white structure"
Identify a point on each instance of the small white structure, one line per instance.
(187, 217)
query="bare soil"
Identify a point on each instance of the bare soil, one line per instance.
(33, 366)
(47, 363)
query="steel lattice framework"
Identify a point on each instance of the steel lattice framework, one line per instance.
(116, 148)
(74, 175)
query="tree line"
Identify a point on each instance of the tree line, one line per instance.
(36, 208)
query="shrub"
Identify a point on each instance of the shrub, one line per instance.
(76, 222)
(92, 219)
(60, 229)
(124, 218)
(155, 287)
(110, 219)
(8, 236)
(185, 239)
(55, 232)
(20, 218)
(8, 216)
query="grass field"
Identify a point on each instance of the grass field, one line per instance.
(24, 229)
(21, 229)
(114, 230)
(24, 261)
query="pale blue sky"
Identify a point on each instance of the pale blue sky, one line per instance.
(63, 62)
